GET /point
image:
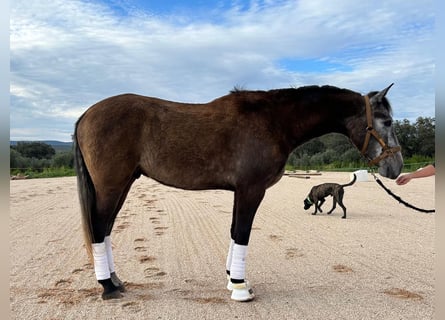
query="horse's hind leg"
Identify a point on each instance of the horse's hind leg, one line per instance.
(101, 249)
(114, 278)
(108, 205)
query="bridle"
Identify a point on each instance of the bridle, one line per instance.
(370, 131)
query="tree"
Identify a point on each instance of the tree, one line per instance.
(37, 150)
(16, 160)
(310, 148)
(407, 136)
(65, 159)
(425, 128)
(337, 142)
(417, 139)
(351, 156)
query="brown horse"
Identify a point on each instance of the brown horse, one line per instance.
(238, 142)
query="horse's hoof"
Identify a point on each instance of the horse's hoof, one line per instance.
(116, 294)
(117, 282)
(242, 292)
(110, 290)
(230, 284)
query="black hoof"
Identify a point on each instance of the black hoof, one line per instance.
(117, 282)
(112, 295)
(110, 290)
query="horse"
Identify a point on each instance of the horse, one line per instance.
(239, 142)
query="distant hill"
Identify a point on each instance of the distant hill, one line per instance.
(59, 146)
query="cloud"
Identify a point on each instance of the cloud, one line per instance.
(67, 55)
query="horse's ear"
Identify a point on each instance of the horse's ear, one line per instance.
(379, 96)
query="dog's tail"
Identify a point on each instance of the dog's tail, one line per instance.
(350, 183)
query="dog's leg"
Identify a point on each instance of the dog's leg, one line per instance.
(316, 205)
(340, 203)
(321, 203)
(344, 210)
(334, 203)
(316, 208)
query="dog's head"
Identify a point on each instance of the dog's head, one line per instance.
(308, 203)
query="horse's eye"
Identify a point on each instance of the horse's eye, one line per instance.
(388, 123)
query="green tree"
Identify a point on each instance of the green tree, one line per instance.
(16, 160)
(64, 159)
(37, 150)
(417, 138)
(407, 136)
(425, 128)
(310, 148)
(337, 142)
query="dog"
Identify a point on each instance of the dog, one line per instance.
(318, 194)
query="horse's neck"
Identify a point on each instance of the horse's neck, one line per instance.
(322, 115)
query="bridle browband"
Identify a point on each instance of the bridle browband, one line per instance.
(370, 131)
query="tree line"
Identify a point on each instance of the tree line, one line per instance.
(37, 158)
(331, 151)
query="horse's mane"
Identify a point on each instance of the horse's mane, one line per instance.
(238, 90)
(251, 97)
(251, 100)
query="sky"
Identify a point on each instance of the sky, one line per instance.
(66, 55)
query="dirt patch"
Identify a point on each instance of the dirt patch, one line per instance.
(341, 268)
(403, 294)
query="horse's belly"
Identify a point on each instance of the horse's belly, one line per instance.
(192, 178)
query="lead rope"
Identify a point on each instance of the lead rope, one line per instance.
(398, 198)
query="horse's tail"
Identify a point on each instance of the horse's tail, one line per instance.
(350, 183)
(87, 194)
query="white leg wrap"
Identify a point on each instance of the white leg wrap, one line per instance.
(229, 255)
(238, 266)
(240, 291)
(109, 254)
(101, 267)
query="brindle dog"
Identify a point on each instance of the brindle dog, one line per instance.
(319, 193)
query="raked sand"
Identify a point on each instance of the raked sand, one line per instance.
(170, 249)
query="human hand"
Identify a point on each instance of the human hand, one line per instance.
(403, 179)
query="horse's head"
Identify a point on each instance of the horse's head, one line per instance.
(378, 140)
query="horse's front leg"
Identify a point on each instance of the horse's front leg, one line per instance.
(245, 206)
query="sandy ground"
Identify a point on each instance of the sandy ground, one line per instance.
(170, 249)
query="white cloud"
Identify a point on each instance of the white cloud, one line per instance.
(67, 55)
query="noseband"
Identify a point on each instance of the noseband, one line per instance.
(370, 131)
